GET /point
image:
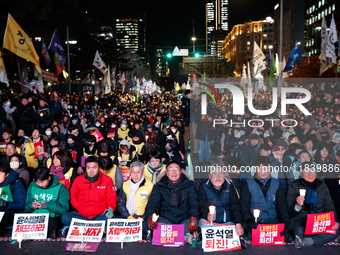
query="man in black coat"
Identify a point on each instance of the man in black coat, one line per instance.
(185, 110)
(174, 198)
(25, 115)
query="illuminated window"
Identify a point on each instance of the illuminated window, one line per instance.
(270, 47)
(333, 8)
(248, 43)
(265, 47)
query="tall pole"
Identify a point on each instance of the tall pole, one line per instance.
(193, 34)
(68, 60)
(281, 28)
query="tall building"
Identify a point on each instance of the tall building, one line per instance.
(104, 32)
(216, 19)
(314, 11)
(131, 33)
(293, 26)
(161, 64)
(238, 45)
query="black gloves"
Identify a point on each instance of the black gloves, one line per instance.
(252, 224)
(3, 203)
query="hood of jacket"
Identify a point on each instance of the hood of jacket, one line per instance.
(12, 177)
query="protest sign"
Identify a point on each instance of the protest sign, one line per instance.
(98, 135)
(85, 247)
(168, 235)
(320, 223)
(1, 215)
(39, 149)
(83, 158)
(93, 230)
(31, 225)
(336, 137)
(132, 228)
(268, 234)
(3, 148)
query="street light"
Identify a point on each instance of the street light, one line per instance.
(193, 38)
(169, 55)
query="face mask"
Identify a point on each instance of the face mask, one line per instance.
(266, 135)
(14, 165)
(238, 135)
(173, 130)
(169, 137)
(123, 126)
(113, 125)
(9, 104)
(71, 144)
(138, 113)
(105, 116)
(48, 132)
(97, 124)
(168, 149)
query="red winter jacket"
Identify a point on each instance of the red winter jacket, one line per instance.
(92, 199)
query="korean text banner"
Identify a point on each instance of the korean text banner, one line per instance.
(320, 223)
(132, 228)
(268, 234)
(168, 235)
(93, 230)
(220, 238)
(31, 225)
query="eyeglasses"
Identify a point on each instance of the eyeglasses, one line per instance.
(174, 169)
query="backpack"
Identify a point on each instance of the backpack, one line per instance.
(12, 185)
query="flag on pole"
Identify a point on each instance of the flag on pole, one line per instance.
(58, 64)
(249, 75)
(332, 38)
(244, 77)
(45, 53)
(55, 45)
(99, 63)
(18, 42)
(294, 55)
(284, 74)
(107, 81)
(277, 65)
(324, 37)
(258, 57)
(3, 74)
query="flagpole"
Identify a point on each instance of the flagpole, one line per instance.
(281, 27)
(68, 60)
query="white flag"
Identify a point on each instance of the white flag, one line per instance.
(277, 64)
(249, 75)
(332, 38)
(244, 78)
(258, 55)
(99, 63)
(324, 37)
(107, 82)
(284, 74)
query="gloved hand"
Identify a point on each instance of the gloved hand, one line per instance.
(252, 224)
(193, 224)
(108, 213)
(3, 203)
(130, 217)
(151, 224)
(123, 163)
(284, 232)
(44, 205)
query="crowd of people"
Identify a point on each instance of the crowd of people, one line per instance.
(118, 156)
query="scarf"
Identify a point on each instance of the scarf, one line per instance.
(174, 190)
(131, 203)
(58, 172)
(36, 140)
(264, 182)
(311, 198)
(92, 179)
(154, 171)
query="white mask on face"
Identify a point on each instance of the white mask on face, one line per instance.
(266, 135)
(123, 126)
(14, 165)
(97, 124)
(238, 135)
(173, 130)
(113, 125)
(48, 132)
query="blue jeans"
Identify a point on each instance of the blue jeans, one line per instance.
(67, 217)
(204, 150)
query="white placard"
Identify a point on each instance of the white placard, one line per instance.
(1, 215)
(132, 228)
(31, 225)
(93, 232)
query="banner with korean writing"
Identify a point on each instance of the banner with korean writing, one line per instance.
(220, 238)
(84, 247)
(320, 223)
(3, 148)
(268, 234)
(93, 230)
(168, 235)
(31, 225)
(39, 149)
(132, 228)
(98, 135)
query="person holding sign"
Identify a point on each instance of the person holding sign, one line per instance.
(266, 194)
(93, 195)
(47, 195)
(174, 198)
(12, 196)
(316, 199)
(217, 191)
(135, 194)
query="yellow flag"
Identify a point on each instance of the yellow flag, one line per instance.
(17, 41)
(1, 63)
(178, 88)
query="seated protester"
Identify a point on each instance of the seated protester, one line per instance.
(171, 152)
(104, 149)
(265, 193)
(56, 130)
(60, 167)
(308, 145)
(32, 162)
(322, 157)
(13, 194)
(11, 149)
(16, 164)
(48, 160)
(123, 131)
(73, 148)
(47, 135)
(92, 194)
(124, 157)
(219, 192)
(137, 141)
(108, 168)
(317, 200)
(294, 170)
(290, 154)
(90, 147)
(179, 137)
(20, 143)
(174, 198)
(54, 140)
(154, 167)
(74, 130)
(101, 126)
(134, 195)
(47, 195)
(6, 135)
(332, 180)
(166, 136)
(150, 137)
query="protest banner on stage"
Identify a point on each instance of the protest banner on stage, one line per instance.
(268, 234)
(30, 225)
(85, 247)
(39, 149)
(168, 235)
(132, 228)
(320, 223)
(98, 135)
(93, 230)
(220, 238)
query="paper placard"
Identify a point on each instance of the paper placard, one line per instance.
(31, 225)
(268, 234)
(39, 149)
(98, 135)
(336, 137)
(168, 235)
(1, 215)
(320, 223)
(93, 231)
(83, 158)
(132, 228)
(84, 247)
(220, 238)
